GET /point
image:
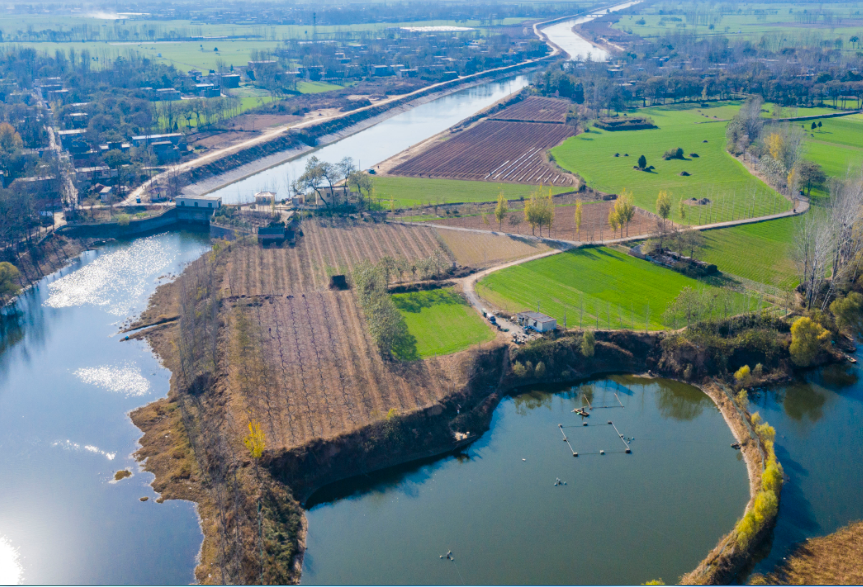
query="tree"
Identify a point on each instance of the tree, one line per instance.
(614, 221)
(692, 241)
(807, 339)
(642, 162)
(681, 209)
(588, 344)
(577, 218)
(848, 312)
(663, 205)
(500, 210)
(8, 280)
(743, 376)
(811, 174)
(255, 440)
(625, 210)
(10, 140)
(361, 182)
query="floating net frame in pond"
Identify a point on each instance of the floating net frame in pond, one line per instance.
(627, 449)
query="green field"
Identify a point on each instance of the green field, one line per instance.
(602, 279)
(316, 87)
(715, 174)
(410, 191)
(441, 321)
(837, 146)
(759, 252)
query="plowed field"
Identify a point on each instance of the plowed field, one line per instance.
(497, 151)
(594, 223)
(319, 373)
(535, 109)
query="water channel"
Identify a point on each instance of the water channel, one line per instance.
(380, 142)
(575, 46)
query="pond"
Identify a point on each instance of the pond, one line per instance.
(619, 519)
(67, 384)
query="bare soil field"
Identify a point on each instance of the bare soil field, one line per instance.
(535, 109)
(594, 223)
(310, 369)
(219, 140)
(482, 249)
(494, 150)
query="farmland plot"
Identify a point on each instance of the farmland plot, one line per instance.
(496, 151)
(480, 250)
(305, 362)
(535, 109)
(594, 223)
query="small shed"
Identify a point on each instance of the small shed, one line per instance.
(536, 321)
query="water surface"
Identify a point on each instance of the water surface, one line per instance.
(66, 386)
(577, 47)
(620, 518)
(819, 432)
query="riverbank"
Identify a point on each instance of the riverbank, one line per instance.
(47, 255)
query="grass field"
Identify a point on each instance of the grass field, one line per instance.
(410, 191)
(715, 174)
(441, 321)
(760, 252)
(611, 285)
(837, 146)
(316, 87)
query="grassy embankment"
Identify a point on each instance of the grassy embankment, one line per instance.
(616, 288)
(441, 321)
(412, 191)
(714, 173)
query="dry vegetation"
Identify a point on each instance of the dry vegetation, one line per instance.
(831, 560)
(480, 250)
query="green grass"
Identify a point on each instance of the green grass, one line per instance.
(601, 278)
(837, 146)
(441, 321)
(759, 252)
(410, 191)
(316, 87)
(715, 174)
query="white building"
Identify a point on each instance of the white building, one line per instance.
(213, 202)
(536, 321)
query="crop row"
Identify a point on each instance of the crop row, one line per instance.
(536, 109)
(494, 151)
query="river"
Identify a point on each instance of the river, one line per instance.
(620, 519)
(67, 384)
(575, 46)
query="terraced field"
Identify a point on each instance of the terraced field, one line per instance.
(595, 287)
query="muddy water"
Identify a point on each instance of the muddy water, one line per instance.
(380, 142)
(66, 385)
(576, 46)
(620, 518)
(819, 435)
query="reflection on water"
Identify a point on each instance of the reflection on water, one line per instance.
(11, 572)
(499, 510)
(679, 401)
(67, 384)
(803, 400)
(116, 281)
(126, 379)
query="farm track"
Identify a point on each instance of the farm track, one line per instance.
(494, 150)
(322, 375)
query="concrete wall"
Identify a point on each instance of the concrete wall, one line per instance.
(170, 218)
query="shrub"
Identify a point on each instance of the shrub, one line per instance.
(807, 340)
(123, 220)
(519, 369)
(588, 344)
(694, 155)
(771, 478)
(759, 370)
(766, 506)
(742, 399)
(746, 529)
(743, 375)
(673, 154)
(687, 373)
(849, 313)
(540, 369)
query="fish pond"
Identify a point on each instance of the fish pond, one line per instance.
(517, 507)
